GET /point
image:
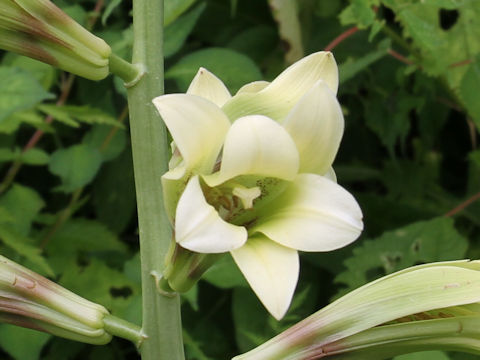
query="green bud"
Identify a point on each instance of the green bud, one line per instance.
(30, 300)
(40, 30)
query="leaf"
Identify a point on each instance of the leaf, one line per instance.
(470, 90)
(112, 4)
(177, 32)
(109, 140)
(76, 166)
(114, 198)
(35, 156)
(174, 8)
(101, 284)
(285, 13)
(23, 204)
(349, 69)
(359, 12)
(420, 242)
(19, 90)
(71, 115)
(21, 245)
(21, 343)
(225, 274)
(233, 68)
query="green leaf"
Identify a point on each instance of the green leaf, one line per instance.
(21, 245)
(109, 140)
(71, 115)
(177, 32)
(350, 68)
(114, 193)
(76, 166)
(45, 74)
(234, 69)
(174, 8)
(23, 204)
(470, 90)
(21, 343)
(420, 242)
(359, 12)
(19, 90)
(225, 274)
(101, 284)
(35, 156)
(112, 4)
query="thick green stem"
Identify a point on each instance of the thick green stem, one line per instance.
(161, 314)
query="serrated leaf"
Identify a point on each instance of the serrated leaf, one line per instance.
(21, 245)
(359, 12)
(420, 242)
(14, 340)
(101, 284)
(71, 115)
(233, 68)
(23, 204)
(76, 166)
(19, 90)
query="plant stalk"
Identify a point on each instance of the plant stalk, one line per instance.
(161, 314)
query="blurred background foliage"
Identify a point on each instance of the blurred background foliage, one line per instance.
(410, 91)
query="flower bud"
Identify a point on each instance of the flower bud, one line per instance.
(30, 300)
(40, 30)
(426, 307)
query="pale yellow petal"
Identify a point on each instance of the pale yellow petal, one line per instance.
(210, 87)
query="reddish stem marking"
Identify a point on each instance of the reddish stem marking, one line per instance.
(463, 205)
(343, 36)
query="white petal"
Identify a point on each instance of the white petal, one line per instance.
(198, 128)
(271, 270)
(253, 87)
(208, 86)
(199, 228)
(277, 99)
(313, 214)
(330, 174)
(256, 145)
(316, 125)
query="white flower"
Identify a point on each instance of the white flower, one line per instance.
(251, 174)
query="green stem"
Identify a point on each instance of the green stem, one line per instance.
(161, 314)
(129, 73)
(123, 329)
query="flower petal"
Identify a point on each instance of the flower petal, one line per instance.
(277, 99)
(199, 228)
(198, 128)
(253, 87)
(271, 270)
(316, 125)
(313, 214)
(257, 145)
(210, 87)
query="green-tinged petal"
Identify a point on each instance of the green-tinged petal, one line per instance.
(257, 145)
(208, 86)
(313, 214)
(330, 174)
(253, 87)
(173, 184)
(199, 228)
(316, 125)
(277, 99)
(198, 128)
(271, 270)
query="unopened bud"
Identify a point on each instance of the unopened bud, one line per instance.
(40, 30)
